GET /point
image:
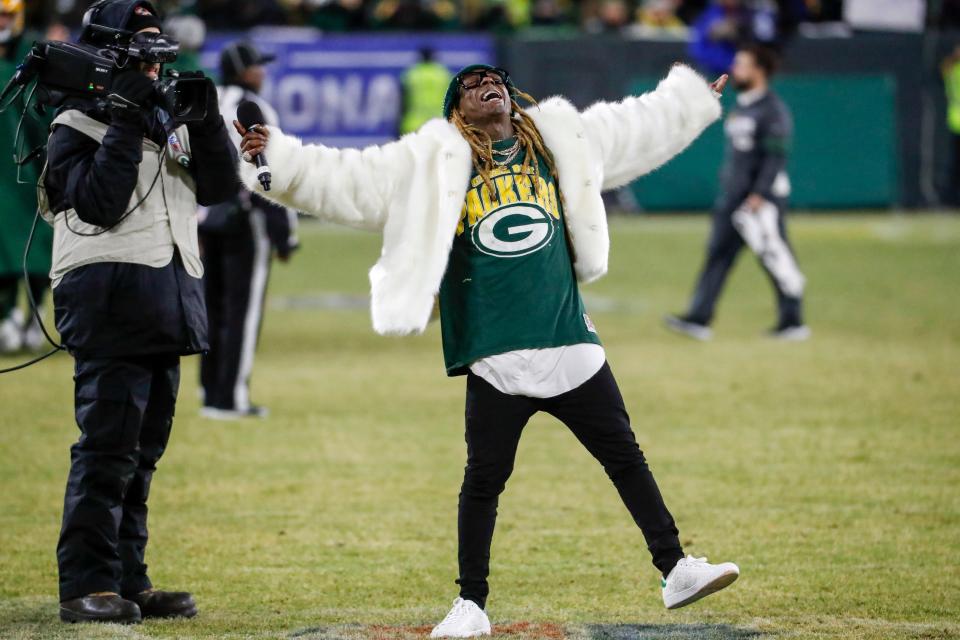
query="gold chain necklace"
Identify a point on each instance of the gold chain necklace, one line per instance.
(510, 154)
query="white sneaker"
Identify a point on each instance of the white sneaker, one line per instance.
(465, 620)
(254, 411)
(33, 338)
(11, 336)
(794, 333)
(694, 578)
(694, 330)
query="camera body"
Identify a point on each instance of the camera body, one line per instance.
(69, 69)
(73, 69)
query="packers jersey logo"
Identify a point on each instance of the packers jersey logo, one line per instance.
(741, 131)
(513, 230)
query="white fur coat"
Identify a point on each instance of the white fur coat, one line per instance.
(413, 189)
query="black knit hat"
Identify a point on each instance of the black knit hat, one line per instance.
(238, 56)
(113, 21)
(143, 18)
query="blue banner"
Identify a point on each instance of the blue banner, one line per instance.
(344, 90)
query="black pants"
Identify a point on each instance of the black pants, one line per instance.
(124, 408)
(722, 251)
(594, 412)
(10, 288)
(236, 268)
(953, 186)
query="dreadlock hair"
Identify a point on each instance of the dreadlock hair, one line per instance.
(526, 131)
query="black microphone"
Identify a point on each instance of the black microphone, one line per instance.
(251, 117)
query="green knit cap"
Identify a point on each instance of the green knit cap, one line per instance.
(452, 97)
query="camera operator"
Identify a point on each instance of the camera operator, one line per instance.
(129, 302)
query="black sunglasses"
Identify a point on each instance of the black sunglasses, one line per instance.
(473, 79)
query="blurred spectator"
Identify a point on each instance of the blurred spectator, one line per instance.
(47, 12)
(611, 16)
(656, 17)
(661, 14)
(547, 13)
(18, 193)
(727, 24)
(191, 32)
(240, 14)
(950, 69)
(423, 86)
(337, 15)
(496, 15)
(57, 31)
(640, 17)
(415, 15)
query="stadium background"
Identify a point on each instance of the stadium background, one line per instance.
(828, 470)
(877, 73)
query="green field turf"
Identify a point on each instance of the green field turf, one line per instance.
(830, 471)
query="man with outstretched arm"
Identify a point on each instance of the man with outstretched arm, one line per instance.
(496, 209)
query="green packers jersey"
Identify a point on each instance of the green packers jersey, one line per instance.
(509, 282)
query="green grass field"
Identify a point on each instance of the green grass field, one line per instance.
(830, 471)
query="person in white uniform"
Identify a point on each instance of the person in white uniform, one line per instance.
(239, 239)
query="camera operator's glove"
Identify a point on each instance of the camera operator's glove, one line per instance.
(212, 119)
(130, 92)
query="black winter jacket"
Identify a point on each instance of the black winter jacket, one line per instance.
(116, 309)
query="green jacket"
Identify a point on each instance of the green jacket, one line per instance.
(20, 200)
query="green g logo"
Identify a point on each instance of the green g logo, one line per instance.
(513, 230)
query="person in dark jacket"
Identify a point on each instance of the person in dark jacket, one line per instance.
(128, 301)
(752, 205)
(18, 194)
(238, 239)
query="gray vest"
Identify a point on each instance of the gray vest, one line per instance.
(166, 218)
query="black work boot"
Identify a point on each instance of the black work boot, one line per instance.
(165, 604)
(100, 607)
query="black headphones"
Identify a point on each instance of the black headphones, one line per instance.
(95, 33)
(90, 15)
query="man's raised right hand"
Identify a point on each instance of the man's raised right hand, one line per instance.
(254, 140)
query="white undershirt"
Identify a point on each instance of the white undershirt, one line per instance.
(541, 373)
(747, 98)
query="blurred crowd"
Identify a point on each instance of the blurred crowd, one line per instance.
(642, 17)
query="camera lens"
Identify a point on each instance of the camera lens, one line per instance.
(181, 106)
(183, 98)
